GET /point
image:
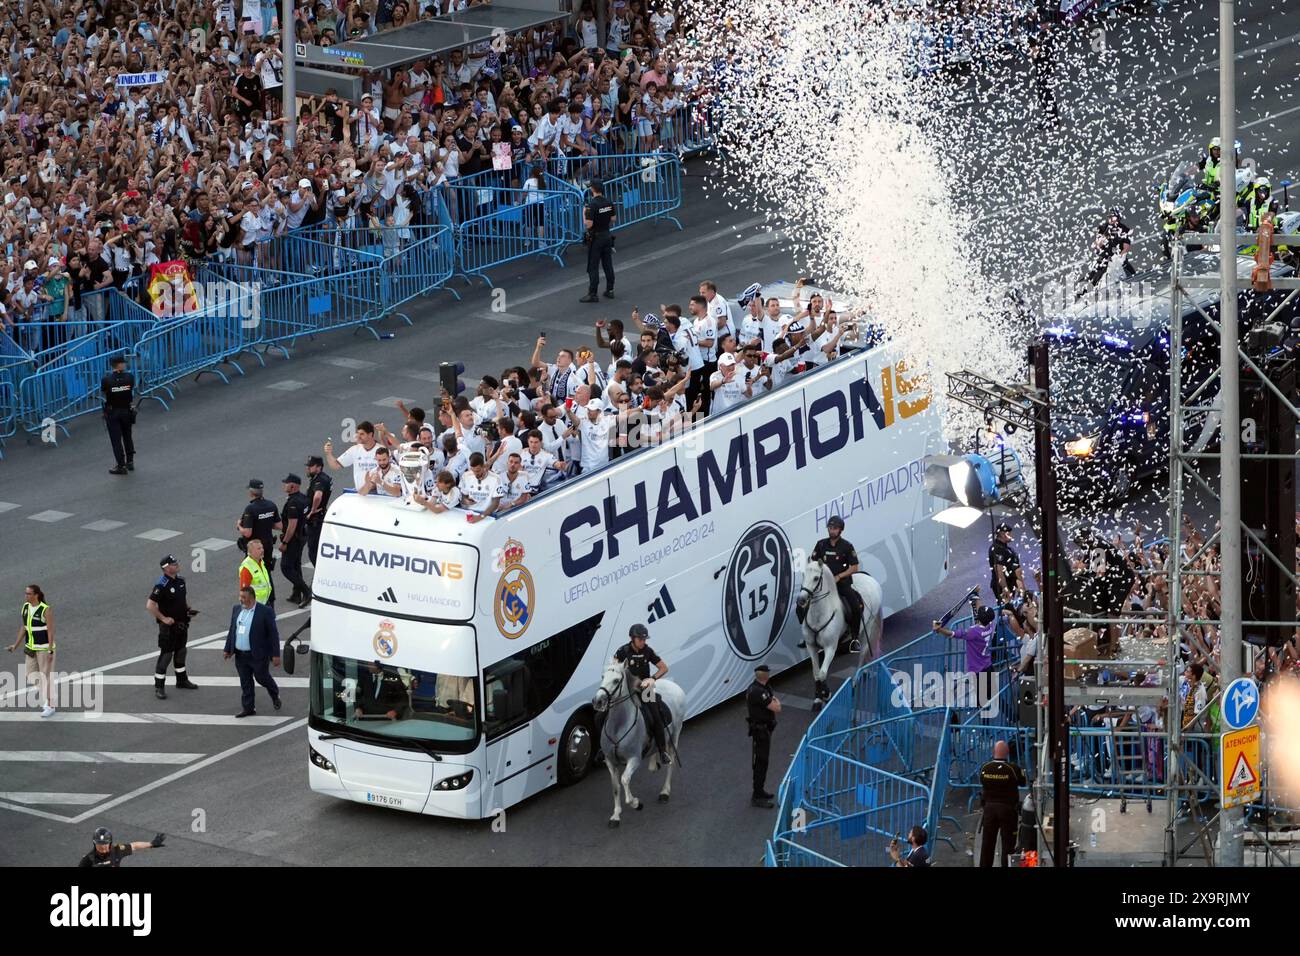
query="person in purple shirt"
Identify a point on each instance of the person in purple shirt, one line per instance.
(978, 637)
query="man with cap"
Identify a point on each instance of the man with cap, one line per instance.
(729, 389)
(169, 606)
(761, 708)
(841, 557)
(259, 521)
(978, 637)
(638, 655)
(319, 487)
(592, 429)
(598, 217)
(293, 537)
(118, 391)
(104, 852)
(1004, 564)
(1000, 783)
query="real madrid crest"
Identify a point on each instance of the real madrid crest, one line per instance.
(515, 594)
(385, 642)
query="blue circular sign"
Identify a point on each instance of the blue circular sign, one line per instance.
(1240, 703)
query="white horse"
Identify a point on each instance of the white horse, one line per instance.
(826, 619)
(625, 739)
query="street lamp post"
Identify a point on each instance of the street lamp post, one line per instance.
(290, 87)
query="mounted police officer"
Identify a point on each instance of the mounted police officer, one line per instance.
(761, 707)
(104, 852)
(842, 558)
(118, 391)
(637, 655)
(598, 218)
(170, 607)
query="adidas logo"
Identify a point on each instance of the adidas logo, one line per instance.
(388, 597)
(662, 606)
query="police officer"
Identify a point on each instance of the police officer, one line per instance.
(598, 216)
(260, 520)
(318, 497)
(293, 538)
(761, 707)
(1000, 781)
(638, 656)
(842, 558)
(118, 391)
(1114, 238)
(169, 606)
(1004, 564)
(105, 852)
(1210, 165)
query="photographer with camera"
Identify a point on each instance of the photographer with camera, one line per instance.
(917, 854)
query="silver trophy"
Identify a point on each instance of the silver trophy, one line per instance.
(411, 462)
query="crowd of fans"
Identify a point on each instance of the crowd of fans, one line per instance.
(140, 131)
(573, 411)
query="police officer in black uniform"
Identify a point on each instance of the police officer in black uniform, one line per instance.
(318, 498)
(598, 217)
(1000, 781)
(107, 853)
(1003, 557)
(260, 520)
(118, 391)
(171, 609)
(638, 656)
(842, 558)
(294, 537)
(761, 706)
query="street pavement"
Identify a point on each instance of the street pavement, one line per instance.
(235, 792)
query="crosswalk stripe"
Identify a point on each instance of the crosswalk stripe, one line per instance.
(158, 534)
(75, 799)
(146, 680)
(93, 756)
(93, 717)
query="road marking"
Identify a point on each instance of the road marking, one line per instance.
(8, 506)
(93, 756)
(103, 525)
(288, 385)
(637, 261)
(149, 787)
(50, 516)
(422, 376)
(392, 400)
(158, 534)
(75, 799)
(355, 364)
(213, 544)
(113, 717)
(146, 680)
(202, 642)
(1214, 65)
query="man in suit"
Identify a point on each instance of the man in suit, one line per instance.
(254, 641)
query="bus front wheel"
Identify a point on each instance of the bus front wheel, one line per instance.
(577, 747)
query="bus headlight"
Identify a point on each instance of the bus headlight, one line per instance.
(1081, 447)
(458, 782)
(319, 760)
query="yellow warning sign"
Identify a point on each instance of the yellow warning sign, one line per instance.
(1239, 766)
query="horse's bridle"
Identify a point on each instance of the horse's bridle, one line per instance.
(816, 594)
(612, 700)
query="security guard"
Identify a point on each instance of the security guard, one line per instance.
(1210, 165)
(36, 636)
(254, 573)
(1258, 202)
(598, 216)
(761, 707)
(318, 497)
(293, 538)
(842, 558)
(107, 853)
(1001, 781)
(638, 656)
(118, 391)
(1004, 564)
(260, 520)
(169, 606)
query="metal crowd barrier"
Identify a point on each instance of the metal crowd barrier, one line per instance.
(504, 225)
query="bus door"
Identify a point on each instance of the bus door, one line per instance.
(510, 758)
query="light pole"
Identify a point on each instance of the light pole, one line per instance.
(1231, 847)
(290, 87)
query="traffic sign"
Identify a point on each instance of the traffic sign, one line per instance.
(1239, 766)
(1241, 703)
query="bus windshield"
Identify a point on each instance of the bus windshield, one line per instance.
(372, 699)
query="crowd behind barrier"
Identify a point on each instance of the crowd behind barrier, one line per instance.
(316, 279)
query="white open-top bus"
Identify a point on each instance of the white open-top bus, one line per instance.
(488, 639)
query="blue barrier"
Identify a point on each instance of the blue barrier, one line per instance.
(60, 392)
(8, 413)
(511, 224)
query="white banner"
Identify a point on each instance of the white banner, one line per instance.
(142, 79)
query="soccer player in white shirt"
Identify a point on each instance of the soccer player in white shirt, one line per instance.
(443, 496)
(480, 489)
(536, 460)
(730, 388)
(457, 457)
(515, 487)
(384, 478)
(593, 430)
(360, 457)
(507, 446)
